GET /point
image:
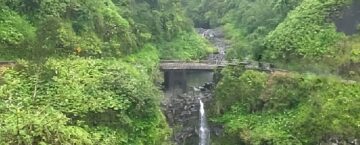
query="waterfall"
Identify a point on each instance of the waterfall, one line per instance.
(204, 133)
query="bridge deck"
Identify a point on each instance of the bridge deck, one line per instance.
(189, 66)
(194, 65)
(7, 63)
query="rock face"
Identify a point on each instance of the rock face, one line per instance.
(349, 20)
(182, 113)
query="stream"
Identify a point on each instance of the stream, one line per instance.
(216, 37)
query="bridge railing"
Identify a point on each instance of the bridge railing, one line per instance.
(210, 62)
(7, 62)
(185, 61)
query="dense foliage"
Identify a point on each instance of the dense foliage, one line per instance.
(311, 21)
(290, 33)
(81, 101)
(245, 22)
(89, 28)
(86, 70)
(183, 48)
(286, 108)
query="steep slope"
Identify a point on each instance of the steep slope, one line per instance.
(285, 108)
(86, 70)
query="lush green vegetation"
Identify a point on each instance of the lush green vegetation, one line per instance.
(86, 70)
(318, 35)
(91, 28)
(77, 100)
(80, 101)
(183, 48)
(245, 22)
(290, 33)
(285, 107)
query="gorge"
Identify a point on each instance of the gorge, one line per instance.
(179, 72)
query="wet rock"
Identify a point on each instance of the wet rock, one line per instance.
(208, 86)
(218, 131)
(336, 140)
(202, 89)
(182, 109)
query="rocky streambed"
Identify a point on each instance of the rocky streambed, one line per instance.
(217, 38)
(182, 112)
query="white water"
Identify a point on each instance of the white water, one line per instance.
(204, 131)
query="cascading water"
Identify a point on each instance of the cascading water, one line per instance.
(204, 133)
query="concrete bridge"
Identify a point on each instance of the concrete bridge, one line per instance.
(205, 65)
(182, 74)
(7, 63)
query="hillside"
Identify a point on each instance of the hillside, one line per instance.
(86, 69)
